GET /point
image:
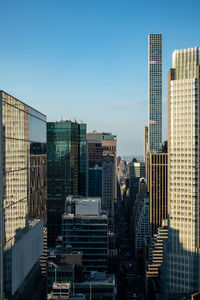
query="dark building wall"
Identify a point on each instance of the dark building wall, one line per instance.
(158, 190)
(95, 182)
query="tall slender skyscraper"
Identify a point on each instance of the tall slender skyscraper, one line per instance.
(184, 174)
(154, 91)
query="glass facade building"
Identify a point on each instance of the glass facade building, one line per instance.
(95, 180)
(85, 228)
(66, 160)
(184, 175)
(154, 91)
(23, 170)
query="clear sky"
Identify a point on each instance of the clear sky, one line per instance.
(87, 59)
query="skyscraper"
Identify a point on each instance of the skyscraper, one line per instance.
(108, 189)
(184, 176)
(66, 161)
(158, 190)
(145, 143)
(23, 193)
(154, 91)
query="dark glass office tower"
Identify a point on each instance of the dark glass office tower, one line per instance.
(23, 194)
(66, 161)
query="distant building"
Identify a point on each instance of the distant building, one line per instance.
(136, 171)
(142, 226)
(145, 143)
(66, 161)
(154, 91)
(102, 149)
(23, 196)
(84, 227)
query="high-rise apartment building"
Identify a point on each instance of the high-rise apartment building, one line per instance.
(66, 161)
(158, 190)
(23, 192)
(184, 175)
(154, 91)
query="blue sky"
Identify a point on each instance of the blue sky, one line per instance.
(87, 59)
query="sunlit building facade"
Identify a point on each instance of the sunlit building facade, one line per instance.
(184, 175)
(23, 190)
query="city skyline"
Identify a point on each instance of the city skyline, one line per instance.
(91, 59)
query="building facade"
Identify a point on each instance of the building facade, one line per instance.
(145, 143)
(154, 91)
(142, 226)
(84, 227)
(184, 176)
(108, 189)
(95, 181)
(23, 191)
(158, 190)
(102, 149)
(155, 262)
(66, 161)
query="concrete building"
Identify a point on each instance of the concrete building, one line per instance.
(158, 190)
(84, 227)
(154, 91)
(23, 194)
(66, 161)
(60, 290)
(63, 265)
(184, 176)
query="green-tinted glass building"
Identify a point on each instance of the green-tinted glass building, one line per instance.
(66, 165)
